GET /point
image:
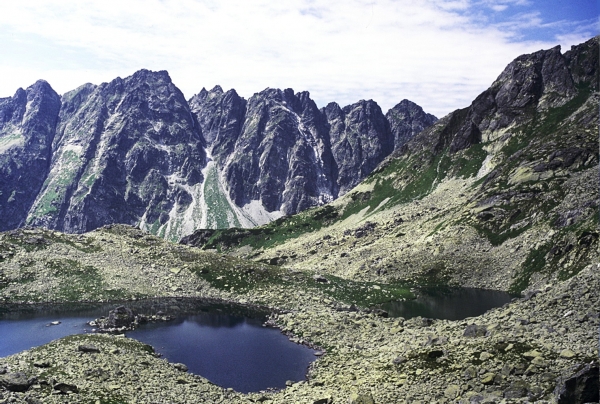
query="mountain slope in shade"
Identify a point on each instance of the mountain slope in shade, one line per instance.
(501, 194)
(134, 151)
(27, 127)
(128, 151)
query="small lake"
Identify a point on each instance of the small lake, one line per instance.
(229, 350)
(447, 303)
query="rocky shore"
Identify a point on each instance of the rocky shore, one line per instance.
(539, 348)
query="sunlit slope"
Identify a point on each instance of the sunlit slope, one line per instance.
(501, 194)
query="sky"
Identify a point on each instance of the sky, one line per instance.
(438, 53)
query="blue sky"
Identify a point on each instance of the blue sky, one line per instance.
(438, 53)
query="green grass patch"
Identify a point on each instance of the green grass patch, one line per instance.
(228, 274)
(534, 262)
(231, 274)
(274, 233)
(361, 294)
(79, 282)
(470, 161)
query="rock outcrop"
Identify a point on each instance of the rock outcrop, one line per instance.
(27, 126)
(128, 151)
(407, 119)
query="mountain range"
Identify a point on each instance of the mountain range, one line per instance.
(135, 151)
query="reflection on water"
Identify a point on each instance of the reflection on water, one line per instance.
(230, 351)
(448, 303)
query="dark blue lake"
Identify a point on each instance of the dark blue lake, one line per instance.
(229, 350)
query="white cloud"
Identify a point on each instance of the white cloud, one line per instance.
(426, 51)
(498, 7)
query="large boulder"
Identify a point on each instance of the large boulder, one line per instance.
(582, 387)
(18, 381)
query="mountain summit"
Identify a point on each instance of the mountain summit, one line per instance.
(135, 151)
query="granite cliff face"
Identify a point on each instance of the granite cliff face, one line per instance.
(134, 151)
(501, 194)
(128, 151)
(27, 127)
(406, 120)
(277, 153)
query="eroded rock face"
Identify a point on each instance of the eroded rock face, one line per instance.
(531, 83)
(128, 151)
(582, 387)
(27, 127)
(279, 149)
(360, 139)
(406, 120)
(282, 156)
(134, 151)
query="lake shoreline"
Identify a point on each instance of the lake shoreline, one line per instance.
(411, 369)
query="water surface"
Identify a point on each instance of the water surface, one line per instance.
(447, 303)
(230, 350)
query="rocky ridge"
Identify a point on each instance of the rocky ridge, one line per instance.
(501, 194)
(27, 126)
(279, 153)
(128, 151)
(134, 151)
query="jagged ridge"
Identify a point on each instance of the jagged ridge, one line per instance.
(134, 151)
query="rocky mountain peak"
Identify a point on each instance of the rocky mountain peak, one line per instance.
(406, 120)
(583, 63)
(134, 151)
(27, 127)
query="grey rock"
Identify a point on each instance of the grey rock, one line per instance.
(87, 348)
(581, 387)
(474, 330)
(18, 382)
(120, 317)
(361, 399)
(66, 388)
(517, 389)
(181, 367)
